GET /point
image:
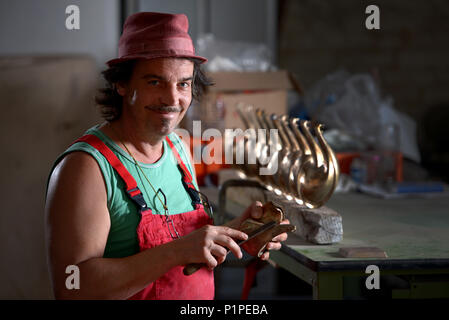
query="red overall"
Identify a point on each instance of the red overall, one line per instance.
(153, 231)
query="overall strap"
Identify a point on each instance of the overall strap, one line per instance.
(187, 179)
(131, 185)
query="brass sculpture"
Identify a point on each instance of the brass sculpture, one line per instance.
(307, 169)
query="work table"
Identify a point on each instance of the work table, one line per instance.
(414, 233)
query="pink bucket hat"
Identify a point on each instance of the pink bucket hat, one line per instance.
(149, 35)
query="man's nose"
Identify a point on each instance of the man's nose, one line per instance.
(170, 96)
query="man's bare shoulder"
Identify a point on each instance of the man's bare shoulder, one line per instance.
(77, 171)
(78, 159)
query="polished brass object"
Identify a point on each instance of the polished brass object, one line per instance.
(306, 167)
(272, 214)
(270, 151)
(247, 143)
(285, 156)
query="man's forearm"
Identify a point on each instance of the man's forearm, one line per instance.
(120, 278)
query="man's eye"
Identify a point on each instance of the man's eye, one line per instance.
(153, 82)
(184, 84)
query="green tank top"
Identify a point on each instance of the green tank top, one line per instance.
(122, 239)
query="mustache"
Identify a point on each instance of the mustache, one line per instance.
(165, 108)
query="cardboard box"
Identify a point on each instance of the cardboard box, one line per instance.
(264, 90)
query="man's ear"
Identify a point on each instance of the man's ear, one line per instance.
(121, 88)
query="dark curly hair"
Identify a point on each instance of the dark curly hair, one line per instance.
(111, 103)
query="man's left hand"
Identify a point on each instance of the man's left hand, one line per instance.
(255, 211)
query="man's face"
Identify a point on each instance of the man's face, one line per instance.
(158, 94)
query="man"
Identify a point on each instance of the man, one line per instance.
(117, 207)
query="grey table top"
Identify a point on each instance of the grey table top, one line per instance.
(409, 230)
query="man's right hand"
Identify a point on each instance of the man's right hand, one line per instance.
(210, 245)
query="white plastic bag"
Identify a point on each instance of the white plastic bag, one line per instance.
(353, 105)
(233, 55)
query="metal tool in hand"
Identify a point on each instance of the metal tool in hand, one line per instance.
(193, 267)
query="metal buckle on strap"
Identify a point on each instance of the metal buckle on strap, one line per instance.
(206, 204)
(137, 198)
(193, 193)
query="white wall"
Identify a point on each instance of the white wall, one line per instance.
(38, 27)
(253, 21)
